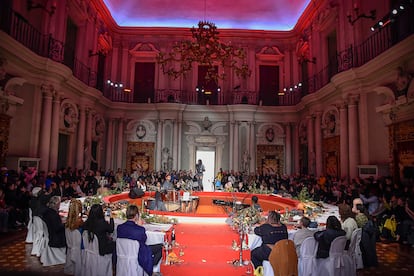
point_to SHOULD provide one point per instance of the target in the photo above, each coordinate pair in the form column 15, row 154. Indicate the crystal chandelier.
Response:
column 206, row 49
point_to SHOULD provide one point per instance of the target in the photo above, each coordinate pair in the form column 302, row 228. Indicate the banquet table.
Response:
column 155, row 231
column 254, row 240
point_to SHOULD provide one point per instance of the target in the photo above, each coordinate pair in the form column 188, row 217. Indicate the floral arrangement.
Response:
column 149, row 218
column 246, row 218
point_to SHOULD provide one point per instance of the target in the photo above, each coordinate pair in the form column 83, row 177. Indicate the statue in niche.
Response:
column 402, row 82
column 330, row 122
column 166, row 160
column 245, row 161
column 207, row 123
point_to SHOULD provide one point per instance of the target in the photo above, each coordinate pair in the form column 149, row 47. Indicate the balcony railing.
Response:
column 382, row 39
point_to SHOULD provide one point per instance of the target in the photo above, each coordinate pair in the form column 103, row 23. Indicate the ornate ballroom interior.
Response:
column 297, row 87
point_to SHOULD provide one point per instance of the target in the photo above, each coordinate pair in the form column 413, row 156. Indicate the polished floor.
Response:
column 15, row 258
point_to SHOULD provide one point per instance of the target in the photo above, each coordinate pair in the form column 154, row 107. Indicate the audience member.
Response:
column 325, row 237
column 74, row 220
column 133, row 229
column 302, row 233
column 97, row 225
column 4, row 213
column 255, row 204
column 157, row 203
column 348, row 222
column 54, row 223
column 271, row 232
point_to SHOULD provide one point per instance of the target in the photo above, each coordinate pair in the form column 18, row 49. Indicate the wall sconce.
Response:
column 372, row 15
column 91, row 53
column 32, row 6
column 313, row 60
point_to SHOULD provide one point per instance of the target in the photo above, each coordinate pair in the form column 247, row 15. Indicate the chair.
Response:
column 338, row 263
column 51, row 255
column 354, row 250
column 283, row 260
column 38, row 236
column 127, row 258
column 29, row 236
column 94, row 264
column 307, row 257
column 73, row 265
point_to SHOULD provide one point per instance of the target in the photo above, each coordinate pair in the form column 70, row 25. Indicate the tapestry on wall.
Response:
column 140, row 156
column 402, row 135
column 331, row 150
column 270, row 159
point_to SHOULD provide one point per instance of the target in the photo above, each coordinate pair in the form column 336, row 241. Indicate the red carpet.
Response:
column 207, row 251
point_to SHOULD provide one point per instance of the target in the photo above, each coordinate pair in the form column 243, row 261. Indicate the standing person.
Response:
column 133, row 229
column 271, row 232
column 200, row 169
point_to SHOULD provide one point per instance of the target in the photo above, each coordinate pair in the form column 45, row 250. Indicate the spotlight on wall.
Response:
column 32, row 6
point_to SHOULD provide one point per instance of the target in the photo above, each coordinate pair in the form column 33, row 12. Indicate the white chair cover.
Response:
column 307, row 257
column 38, row 236
column 94, row 264
column 29, row 236
column 73, row 265
column 267, row 269
column 354, row 250
column 127, row 258
column 51, row 255
column 334, row 265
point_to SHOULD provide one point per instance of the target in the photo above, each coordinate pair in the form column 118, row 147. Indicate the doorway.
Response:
column 208, row 157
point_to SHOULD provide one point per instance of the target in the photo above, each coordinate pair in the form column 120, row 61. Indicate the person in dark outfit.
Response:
column 325, row 237
column 132, row 229
column 271, row 232
column 97, row 225
column 55, row 227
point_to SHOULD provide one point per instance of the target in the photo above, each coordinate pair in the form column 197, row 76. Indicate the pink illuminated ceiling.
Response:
column 233, row 14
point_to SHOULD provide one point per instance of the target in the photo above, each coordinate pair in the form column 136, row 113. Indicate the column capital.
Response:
column 47, row 90
column 353, row 99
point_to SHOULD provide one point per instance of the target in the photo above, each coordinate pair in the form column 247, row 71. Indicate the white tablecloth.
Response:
column 155, row 232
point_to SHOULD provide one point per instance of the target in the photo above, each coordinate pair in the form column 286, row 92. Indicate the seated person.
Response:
column 302, row 233
column 255, row 204
column 271, row 232
column 157, row 203
column 97, row 225
column 54, row 223
column 325, row 237
column 132, row 229
column 349, row 224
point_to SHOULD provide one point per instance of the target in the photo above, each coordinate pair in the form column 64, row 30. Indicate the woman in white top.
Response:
column 348, row 222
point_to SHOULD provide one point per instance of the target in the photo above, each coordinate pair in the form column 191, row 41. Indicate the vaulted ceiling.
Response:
column 280, row 15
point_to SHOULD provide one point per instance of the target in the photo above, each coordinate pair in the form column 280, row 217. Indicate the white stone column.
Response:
column 44, row 145
column 318, row 144
column 175, row 144
column 236, row 147
column 88, row 140
column 180, row 129
column 288, row 147
column 311, row 143
column 120, row 144
column 252, row 149
column 109, row 144
column 353, row 126
column 296, row 149
column 343, row 140
column 159, row 144
column 54, row 137
column 81, row 138
column 231, row 127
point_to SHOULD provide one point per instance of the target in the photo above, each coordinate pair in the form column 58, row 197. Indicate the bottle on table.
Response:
column 173, row 237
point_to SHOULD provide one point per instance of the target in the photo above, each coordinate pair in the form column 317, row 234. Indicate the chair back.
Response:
column 127, row 257
column 284, row 259
column 73, row 265
column 354, row 250
column 29, row 236
column 307, row 257
column 51, row 255
column 94, row 264
column 337, row 264
column 38, row 236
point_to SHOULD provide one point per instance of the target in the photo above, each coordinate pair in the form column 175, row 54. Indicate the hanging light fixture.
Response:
column 205, row 48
